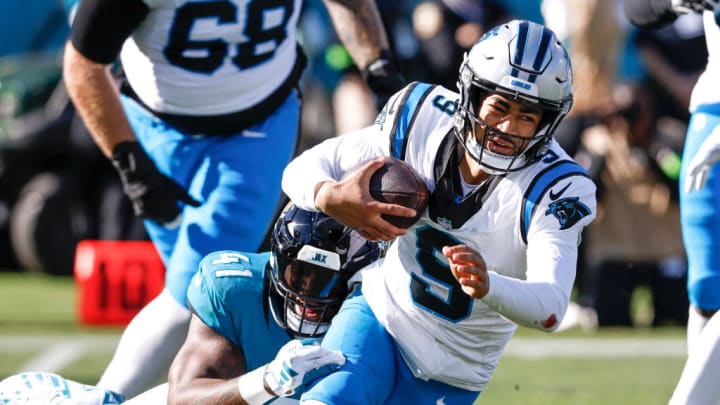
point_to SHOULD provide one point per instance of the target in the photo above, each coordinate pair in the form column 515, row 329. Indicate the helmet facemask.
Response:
column 311, row 292
column 313, row 266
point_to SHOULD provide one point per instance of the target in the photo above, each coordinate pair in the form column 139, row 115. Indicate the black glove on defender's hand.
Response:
column 383, row 78
column 154, row 196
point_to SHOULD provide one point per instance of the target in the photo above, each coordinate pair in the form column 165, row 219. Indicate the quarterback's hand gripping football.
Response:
column 300, row 362
column 693, row 6
column 707, row 155
column 350, row 203
column 154, row 196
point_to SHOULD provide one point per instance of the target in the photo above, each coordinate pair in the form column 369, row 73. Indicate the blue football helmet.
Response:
column 313, row 263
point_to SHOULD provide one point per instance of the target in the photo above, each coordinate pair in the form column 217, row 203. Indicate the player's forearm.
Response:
column 301, row 181
column 329, row 161
column 205, row 391
column 304, row 174
column 95, row 96
column 359, row 27
column 249, row 388
column 539, row 301
column 536, row 305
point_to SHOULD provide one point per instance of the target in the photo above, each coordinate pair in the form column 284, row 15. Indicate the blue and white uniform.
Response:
column 699, row 214
column 525, row 224
column 210, row 92
column 36, row 387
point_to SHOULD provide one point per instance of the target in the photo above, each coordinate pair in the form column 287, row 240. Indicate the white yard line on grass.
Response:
column 55, row 357
column 13, row 343
column 56, row 352
column 596, row 347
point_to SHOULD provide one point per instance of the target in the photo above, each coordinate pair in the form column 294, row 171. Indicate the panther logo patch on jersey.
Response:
column 568, row 211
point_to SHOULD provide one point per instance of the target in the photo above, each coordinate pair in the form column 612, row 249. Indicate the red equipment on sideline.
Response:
column 115, row 279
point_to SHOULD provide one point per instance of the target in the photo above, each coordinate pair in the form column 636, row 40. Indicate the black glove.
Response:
column 154, row 196
column 693, row 6
column 383, row 78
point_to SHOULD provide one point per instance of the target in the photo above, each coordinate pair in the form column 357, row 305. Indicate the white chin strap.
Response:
column 308, row 327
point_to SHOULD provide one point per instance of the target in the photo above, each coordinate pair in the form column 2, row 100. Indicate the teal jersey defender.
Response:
column 227, row 294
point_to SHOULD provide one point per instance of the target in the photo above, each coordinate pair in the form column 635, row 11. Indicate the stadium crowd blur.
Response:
column 626, row 127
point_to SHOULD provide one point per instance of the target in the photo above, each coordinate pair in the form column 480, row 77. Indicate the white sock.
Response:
column 147, row 347
column 695, row 325
column 698, row 384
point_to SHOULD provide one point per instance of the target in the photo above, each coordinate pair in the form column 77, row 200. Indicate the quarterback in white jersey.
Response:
column 511, row 220
column 497, row 245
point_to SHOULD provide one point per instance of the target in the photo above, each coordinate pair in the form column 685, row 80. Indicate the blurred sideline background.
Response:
column 623, row 338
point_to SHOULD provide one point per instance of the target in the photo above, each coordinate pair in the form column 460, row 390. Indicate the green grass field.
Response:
column 37, row 318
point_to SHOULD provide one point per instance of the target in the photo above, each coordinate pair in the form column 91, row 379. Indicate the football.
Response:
column 398, row 183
